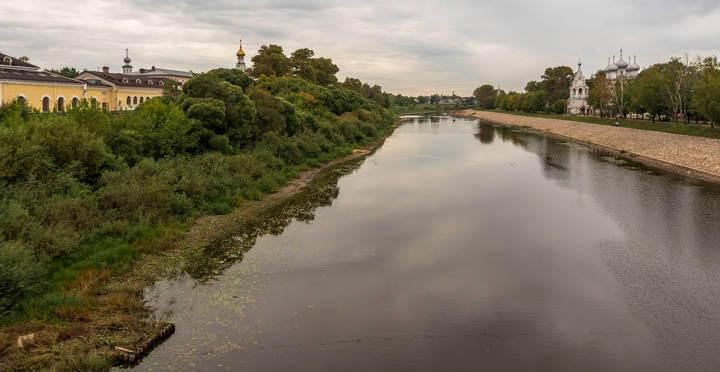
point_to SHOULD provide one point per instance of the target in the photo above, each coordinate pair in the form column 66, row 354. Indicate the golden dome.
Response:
column 240, row 53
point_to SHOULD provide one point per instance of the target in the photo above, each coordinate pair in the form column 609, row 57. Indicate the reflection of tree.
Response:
column 486, row 133
column 512, row 135
column 209, row 260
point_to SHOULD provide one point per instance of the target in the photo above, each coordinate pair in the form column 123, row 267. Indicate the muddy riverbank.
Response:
column 694, row 157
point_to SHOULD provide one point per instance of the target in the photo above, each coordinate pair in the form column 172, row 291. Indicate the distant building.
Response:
column 621, row 69
column 127, row 90
column 579, row 91
column 122, row 91
column 240, row 59
column 164, row 73
column 41, row 90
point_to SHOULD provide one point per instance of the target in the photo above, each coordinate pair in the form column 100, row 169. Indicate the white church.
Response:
column 579, row 90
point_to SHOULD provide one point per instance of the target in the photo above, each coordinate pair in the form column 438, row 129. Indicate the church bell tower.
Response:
column 240, row 58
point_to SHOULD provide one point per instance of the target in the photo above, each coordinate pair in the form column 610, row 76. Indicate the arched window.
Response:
column 150, row 82
column 7, row 60
column 146, row 99
column 138, row 81
column 141, row 99
column 124, row 80
column 61, row 104
column 75, row 102
column 21, row 99
column 129, row 100
column 580, row 91
column 161, row 83
column 93, row 102
column 574, row 91
column 46, row 104
column 135, row 100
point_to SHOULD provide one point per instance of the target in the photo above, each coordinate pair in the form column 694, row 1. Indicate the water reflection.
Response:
column 464, row 246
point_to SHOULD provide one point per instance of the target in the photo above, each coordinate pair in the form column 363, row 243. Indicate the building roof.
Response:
column 25, row 75
column 125, row 80
column 154, row 71
column 9, row 61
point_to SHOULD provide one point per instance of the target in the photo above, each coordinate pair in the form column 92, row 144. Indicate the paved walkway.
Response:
column 697, row 153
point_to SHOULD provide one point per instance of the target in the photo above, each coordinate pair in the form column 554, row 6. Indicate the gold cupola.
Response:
column 240, row 58
column 240, row 52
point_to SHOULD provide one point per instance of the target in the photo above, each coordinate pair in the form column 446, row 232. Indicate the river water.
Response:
column 463, row 246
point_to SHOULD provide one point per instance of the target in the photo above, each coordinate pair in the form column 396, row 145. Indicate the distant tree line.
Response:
column 680, row 90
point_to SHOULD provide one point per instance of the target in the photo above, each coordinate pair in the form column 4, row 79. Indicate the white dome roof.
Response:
column 621, row 64
column 634, row 67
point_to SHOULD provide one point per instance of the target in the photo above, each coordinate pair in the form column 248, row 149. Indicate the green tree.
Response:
column 317, row 70
column 679, row 76
column 651, row 91
column 533, row 86
column 706, row 97
column 600, row 96
column 21, row 275
column 352, row 84
column 171, row 88
column 239, row 110
column 70, row 72
column 273, row 113
column 560, row 106
column 556, row 82
column 482, row 94
column 271, row 61
column 233, row 76
column 534, row 101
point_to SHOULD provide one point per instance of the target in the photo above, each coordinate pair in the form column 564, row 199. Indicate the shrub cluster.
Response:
column 82, row 191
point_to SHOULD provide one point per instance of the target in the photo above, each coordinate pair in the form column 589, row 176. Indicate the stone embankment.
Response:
column 697, row 157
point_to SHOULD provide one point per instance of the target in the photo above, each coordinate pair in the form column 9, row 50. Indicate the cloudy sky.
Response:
column 409, row 47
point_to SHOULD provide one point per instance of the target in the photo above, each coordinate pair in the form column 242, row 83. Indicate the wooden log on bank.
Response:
column 126, row 356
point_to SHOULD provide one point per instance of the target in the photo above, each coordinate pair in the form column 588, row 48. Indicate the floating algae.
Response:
column 614, row 160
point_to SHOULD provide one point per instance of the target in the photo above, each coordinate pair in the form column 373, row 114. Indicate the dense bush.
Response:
column 20, row 275
column 78, row 191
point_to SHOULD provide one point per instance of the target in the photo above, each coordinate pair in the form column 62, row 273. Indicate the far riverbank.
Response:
column 691, row 156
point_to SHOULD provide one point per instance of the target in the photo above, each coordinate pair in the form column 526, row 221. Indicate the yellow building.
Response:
column 49, row 92
column 120, row 91
column 40, row 89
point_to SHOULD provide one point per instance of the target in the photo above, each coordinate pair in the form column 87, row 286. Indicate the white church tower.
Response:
column 579, row 91
column 240, row 59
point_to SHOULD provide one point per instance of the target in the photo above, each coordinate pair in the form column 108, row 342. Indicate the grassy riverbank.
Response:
column 691, row 129
column 96, row 206
column 427, row 109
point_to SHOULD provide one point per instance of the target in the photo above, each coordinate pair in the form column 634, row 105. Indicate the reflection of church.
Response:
column 579, row 90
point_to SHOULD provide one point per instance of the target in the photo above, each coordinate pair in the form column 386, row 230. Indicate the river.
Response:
column 463, row 246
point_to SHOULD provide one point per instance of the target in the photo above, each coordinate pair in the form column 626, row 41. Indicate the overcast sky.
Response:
column 409, row 47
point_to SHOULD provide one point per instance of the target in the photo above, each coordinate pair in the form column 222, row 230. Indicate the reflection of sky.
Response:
column 446, row 250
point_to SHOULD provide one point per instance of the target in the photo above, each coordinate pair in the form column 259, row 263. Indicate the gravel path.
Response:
column 677, row 151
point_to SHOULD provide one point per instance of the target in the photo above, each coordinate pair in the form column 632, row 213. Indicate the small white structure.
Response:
column 577, row 103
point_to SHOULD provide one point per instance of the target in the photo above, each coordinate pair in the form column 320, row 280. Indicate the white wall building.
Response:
column 577, row 103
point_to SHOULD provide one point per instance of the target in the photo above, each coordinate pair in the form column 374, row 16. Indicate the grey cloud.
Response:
column 415, row 47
